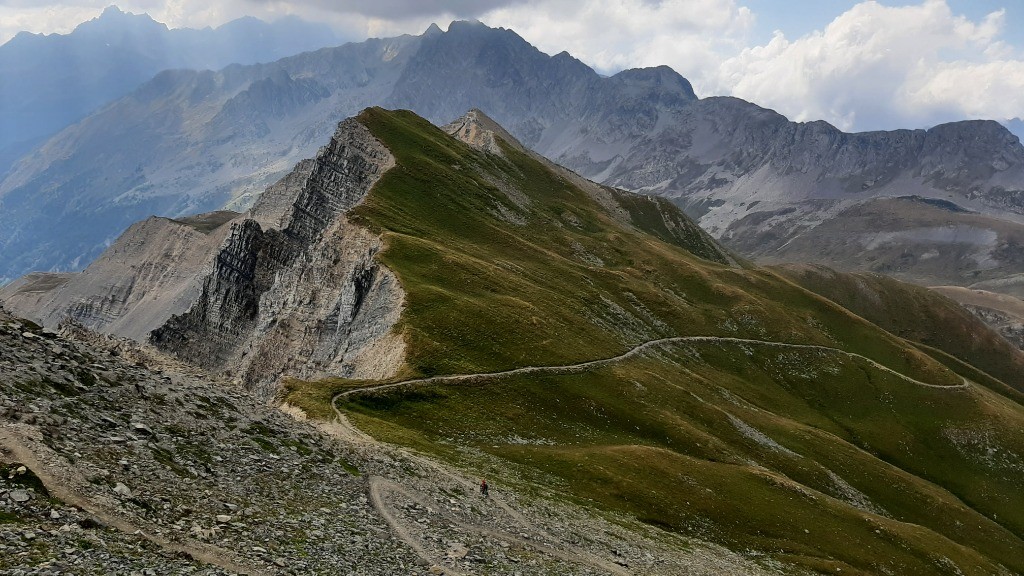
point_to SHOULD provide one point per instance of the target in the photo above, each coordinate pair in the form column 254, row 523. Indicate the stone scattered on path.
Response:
column 20, row 495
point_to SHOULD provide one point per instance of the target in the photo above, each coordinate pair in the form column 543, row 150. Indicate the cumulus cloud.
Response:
column 26, row 16
column 879, row 67
column 353, row 18
column 611, row 35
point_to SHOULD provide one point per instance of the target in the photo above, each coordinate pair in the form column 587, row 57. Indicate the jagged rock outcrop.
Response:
column 307, row 299
column 478, row 130
column 289, row 288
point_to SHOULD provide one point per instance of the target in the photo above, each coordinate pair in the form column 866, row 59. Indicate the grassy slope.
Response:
column 917, row 314
column 670, row 437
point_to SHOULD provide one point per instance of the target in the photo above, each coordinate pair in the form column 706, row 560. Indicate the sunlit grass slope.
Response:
column 486, row 293
column 918, row 314
column 810, row 456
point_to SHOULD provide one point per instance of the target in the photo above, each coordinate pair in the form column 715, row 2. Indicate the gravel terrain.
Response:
column 115, row 459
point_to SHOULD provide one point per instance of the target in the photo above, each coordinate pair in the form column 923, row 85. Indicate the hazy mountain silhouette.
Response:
column 53, row 80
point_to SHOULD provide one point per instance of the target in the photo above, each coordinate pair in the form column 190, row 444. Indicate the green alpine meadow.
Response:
column 579, row 343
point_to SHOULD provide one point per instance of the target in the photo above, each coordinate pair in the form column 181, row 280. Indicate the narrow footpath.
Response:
column 636, row 350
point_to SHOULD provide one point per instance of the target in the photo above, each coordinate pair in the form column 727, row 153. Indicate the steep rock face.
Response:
column 307, row 299
column 276, row 204
column 152, row 271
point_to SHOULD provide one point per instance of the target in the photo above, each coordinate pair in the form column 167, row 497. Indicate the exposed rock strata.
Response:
column 308, row 299
column 291, row 288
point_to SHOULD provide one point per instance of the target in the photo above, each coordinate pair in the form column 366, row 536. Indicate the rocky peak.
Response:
column 115, row 21
column 659, row 80
column 306, row 299
column 570, row 65
column 480, row 131
column 970, row 142
column 111, row 12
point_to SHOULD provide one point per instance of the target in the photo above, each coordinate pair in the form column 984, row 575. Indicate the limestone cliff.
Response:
column 289, row 288
column 307, row 299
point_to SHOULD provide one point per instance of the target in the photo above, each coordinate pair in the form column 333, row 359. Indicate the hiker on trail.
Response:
column 483, row 487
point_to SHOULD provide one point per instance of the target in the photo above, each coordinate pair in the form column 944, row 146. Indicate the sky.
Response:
column 859, row 65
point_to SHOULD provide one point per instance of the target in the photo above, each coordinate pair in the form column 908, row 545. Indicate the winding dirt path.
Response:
column 591, row 364
column 68, row 487
column 379, row 486
column 377, row 499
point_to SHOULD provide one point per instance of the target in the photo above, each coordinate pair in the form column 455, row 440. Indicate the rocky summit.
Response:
column 330, row 375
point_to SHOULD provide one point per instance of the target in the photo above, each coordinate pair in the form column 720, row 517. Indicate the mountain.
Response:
column 180, row 278
column 188, row 142
column 1015, row 125
column 794, row 450
column 56, row 80
column 599, row 350
column 938, row 206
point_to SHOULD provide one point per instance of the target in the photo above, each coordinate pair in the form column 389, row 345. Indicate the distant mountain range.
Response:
column 54, row 80
column 941, row 206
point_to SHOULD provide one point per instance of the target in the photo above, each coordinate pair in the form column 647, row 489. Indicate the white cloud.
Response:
column 883, row 67
column 56, row 18
column 398, row 9
column 872, row 67
column 611, row 35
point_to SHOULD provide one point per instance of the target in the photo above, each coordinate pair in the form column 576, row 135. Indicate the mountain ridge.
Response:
column 767, row 187
column 64, row 77
column 628, row 396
